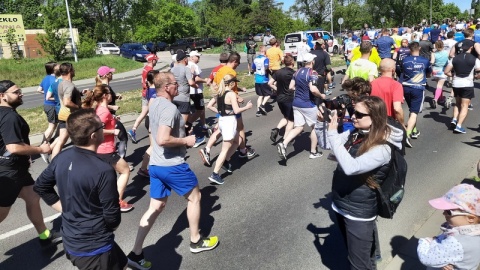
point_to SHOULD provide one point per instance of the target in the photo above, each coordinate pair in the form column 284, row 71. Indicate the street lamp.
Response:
column 430, row 12
column 71, row 33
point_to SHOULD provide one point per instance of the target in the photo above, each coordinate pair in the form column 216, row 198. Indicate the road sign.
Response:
column 14, row 21
column 340, row 21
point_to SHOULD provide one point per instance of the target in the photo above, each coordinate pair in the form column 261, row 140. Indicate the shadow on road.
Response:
column 329, row 241
column 163, row 254
column 406, row 249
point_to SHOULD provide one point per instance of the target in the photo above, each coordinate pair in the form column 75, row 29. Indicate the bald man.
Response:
column 391, row 91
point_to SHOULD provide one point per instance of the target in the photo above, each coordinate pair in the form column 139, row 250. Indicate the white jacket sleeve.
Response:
column 439, row 252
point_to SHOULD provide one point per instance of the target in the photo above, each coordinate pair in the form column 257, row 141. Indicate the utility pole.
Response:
column 71, row 33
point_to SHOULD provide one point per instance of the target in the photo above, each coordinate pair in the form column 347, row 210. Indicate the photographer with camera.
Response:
column 305, row 111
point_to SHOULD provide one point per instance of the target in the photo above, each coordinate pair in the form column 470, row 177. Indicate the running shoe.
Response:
column 315, row 155
column 250, row 152
column 282, row 152
column 470, row 107
column 205, row 156
column 215, row 178
column 274, row 134
column 227, row 166
column 449, row 102
column 143, row 172
column 415, row 134
column 204, row 244
column 459, row 130
column 199, row 141
column 210, row 132
column 125, row 207
column 258, row 113
column 328, row 92
column 434, row 104
column 331, row 86
column 46, row 158
column 262, row 110
column 408, row 143
column 54, row 238
column 130, row 167
column 138, row 261
column 132, row 135
column 453, row 124
column 441, row 100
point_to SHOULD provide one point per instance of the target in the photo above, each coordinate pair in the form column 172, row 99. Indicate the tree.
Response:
column 315, row 11
column 12, row 42
column 54, row 41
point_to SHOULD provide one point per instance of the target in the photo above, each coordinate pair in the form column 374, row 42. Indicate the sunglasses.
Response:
column 100, row 127
column 453, row 213
column 360, row 115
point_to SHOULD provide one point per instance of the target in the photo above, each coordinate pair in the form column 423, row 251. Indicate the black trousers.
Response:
column 361, row 239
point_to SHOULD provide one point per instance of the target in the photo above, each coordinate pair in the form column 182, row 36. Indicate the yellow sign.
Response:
column 14, row 21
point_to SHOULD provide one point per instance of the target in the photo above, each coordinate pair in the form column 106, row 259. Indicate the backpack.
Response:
column 392, row 189
column 476, row 36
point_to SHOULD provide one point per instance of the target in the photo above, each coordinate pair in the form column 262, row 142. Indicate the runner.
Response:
column 263, row 90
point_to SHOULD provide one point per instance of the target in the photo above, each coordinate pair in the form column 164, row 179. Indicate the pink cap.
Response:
column 151, row 57
column 104, row 70
column 464, row 196
column 365, row 38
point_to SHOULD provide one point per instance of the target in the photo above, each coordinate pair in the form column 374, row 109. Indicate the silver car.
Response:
column 258, row 37
column 107, row 48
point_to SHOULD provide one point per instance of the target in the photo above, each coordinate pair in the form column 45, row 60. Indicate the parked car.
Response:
column 156, row 46
column 259, row 37
column 107, row 48
column 188, row 44
column 214, row 42
column 293, row 40
column 134, row 51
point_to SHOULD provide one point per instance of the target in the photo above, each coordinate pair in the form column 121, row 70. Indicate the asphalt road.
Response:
column 268, row 214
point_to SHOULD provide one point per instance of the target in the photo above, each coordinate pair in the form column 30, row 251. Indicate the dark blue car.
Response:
column 134, row 51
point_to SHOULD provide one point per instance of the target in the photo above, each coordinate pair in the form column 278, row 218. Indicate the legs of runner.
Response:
column 59, row 142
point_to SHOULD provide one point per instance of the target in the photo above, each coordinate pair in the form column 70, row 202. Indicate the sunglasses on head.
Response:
column 360, row 115
column 453, row 213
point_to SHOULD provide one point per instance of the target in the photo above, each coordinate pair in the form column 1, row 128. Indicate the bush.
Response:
column 86, row 48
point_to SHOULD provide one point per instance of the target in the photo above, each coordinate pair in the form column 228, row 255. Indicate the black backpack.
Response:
column 392, row 189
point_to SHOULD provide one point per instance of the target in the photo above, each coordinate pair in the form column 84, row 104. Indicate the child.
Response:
column 458, row 245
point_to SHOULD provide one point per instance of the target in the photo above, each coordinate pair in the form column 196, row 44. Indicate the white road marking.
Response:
column 26, row 227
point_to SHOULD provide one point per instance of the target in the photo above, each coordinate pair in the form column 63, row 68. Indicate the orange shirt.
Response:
column 275, row 56
column 224, row 71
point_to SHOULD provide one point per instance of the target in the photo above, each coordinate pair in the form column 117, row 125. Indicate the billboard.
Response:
column 14, row 21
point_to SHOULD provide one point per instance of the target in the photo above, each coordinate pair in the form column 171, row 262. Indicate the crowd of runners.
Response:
column 383, row 70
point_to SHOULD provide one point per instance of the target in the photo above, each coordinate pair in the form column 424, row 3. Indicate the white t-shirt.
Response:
column 196, row 71
column 302, row 49
column 448, row 44
column 407, row 36
column 460, row 26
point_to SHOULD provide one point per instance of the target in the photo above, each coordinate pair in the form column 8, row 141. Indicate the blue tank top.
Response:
column 441, row 59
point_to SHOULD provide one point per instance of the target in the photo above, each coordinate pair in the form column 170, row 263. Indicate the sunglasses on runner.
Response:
column 360, row 115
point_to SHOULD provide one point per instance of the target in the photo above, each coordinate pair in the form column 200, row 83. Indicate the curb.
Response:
column 407, row 258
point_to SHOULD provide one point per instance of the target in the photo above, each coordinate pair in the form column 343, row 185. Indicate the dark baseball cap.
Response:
column 181, row 54
column 5, row 85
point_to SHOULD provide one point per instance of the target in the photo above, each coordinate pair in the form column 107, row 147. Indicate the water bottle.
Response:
column 397, row 197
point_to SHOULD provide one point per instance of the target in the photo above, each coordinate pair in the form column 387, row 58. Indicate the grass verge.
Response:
column 30, row 72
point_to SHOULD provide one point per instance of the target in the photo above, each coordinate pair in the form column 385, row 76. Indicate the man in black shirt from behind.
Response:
column 280, row 82
column 87, row 196
column 322, row 65
column 15, row 150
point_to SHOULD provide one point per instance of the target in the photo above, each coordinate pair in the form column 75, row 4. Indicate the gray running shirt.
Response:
column 165, row 113
column 182, row 75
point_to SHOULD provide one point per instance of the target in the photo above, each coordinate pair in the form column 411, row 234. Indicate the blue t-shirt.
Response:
column 458, row 37
column 45, row 84
column 384, row 46
column 303, row 97
column 427, row 30
column 434, row 34
column 151, row 93
column 415, row 70
column 54, row 90
column 260, row 65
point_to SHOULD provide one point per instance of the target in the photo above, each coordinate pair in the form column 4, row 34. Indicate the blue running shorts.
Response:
column 163, row 179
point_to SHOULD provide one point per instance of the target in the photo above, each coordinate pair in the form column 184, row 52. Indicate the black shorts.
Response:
column 52, row 117
column 114, row 259
column 111, row 159
column 12, row 181
column 286, row 109
column 262, row 89
column 464, row 92
column 62, row 124
column 198, row 102
column 183, row 107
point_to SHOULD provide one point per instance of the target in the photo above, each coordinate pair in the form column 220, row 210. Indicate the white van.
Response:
column 293, row 40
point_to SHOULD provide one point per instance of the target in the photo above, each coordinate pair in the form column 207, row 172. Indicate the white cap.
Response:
column 174, row 58
column 195, row 53
column 308, row 57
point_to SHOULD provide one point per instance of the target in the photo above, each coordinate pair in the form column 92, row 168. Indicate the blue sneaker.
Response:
column 453, row 124
column 227, row 166
column 199, row 141
column 459, row 130
column 132, row 135
column 215, row 178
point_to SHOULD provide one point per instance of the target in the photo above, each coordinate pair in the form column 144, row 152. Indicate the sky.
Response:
column 462, row 4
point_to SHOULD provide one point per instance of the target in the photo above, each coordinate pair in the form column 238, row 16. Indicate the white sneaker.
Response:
column 315, row 155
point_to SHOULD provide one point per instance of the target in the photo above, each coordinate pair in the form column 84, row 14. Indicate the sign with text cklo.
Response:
column 14, row 21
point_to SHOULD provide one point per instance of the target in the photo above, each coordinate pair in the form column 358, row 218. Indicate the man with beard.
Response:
column 15, row 151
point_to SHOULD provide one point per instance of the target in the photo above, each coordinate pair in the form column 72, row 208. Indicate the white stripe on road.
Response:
column 26, row 227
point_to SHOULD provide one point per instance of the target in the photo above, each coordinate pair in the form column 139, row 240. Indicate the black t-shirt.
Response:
column 461, row 44
column 283, row 77
column 321, row 61
column 426, row 48
column 13, row 130
column 463, row 64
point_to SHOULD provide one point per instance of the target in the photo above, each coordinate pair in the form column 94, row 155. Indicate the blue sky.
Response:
column 462, row 4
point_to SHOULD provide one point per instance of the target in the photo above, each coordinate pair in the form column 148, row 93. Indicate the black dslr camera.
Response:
column 339, row 103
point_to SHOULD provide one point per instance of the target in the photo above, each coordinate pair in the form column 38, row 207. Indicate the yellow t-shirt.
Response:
column 222, row 72
column 374, row 57
column 398, row 40
column 275, row 56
